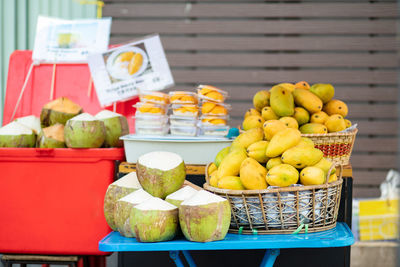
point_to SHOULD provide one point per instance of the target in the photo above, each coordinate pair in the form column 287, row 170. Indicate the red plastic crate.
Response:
column 51, row 200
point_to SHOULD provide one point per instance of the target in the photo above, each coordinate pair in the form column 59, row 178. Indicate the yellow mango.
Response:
column 211, row 168
column 230, row 182
column 335, row 123
column 257, row 151
column 268, row 114
column 252, row 174
column 273, row 162
column 261, row 99
column 332, row 178
column 313, row 128
column 290, row 122
column 247, row 138
column 302, row 85
column 312, row 176
column 281, row 101
column 288, row 86
column 221, row 155
column 215, row 95
column 282, row 141
column 213, row 179
column 230, row 164
column 336, row 107
column 301, row 115
column 251, row 112
column 324, row 164
column 307, row 100
column 319, row 117
column 324, row 91
column 302, row 156
column 271, row 127
column 252, row 122
column 282, row 175
column 348, row 123
column 306, row 142
column 207, row 107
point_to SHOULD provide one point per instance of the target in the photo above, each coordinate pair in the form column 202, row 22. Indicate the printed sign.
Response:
column 119, row 73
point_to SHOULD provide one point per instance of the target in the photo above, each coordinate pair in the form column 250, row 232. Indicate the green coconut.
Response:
column 179, row 196
column 161, row 173
column 59, row 111
column 15, row 134
column 51, row 137
column 204, row 217
column 84, row 131
column 154, row 220
column 116, row 126
column 32, row 122
column 118, row 189
column 122, row 211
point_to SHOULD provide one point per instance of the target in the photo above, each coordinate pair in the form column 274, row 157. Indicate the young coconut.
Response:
column 154, row 220
column 116, row 126
column 179, row 196
column 59, row 111
column 118, row 189
column 32, row 122
column 161, row 173
column 204, row 217
column 15, row 134
column 122, row 211
column 84, row 131
column 51, row 137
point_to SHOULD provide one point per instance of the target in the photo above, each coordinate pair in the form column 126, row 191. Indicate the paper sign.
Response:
column 119, row 73
column 63, row 41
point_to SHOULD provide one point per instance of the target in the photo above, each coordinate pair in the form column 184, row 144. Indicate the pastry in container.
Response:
column 208, row 120
column 151, row 129
column 215, row 130
column 150, row 119
column 150, row 108
column 184, row 130
column 177, row 120
column 183, row 97
column 211, row 93
column 185, row 110
column 214, row 109
column 154, row 97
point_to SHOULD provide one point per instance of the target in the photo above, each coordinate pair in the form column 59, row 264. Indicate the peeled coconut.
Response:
column 59, row 111
column 116, row 126
column 204, row 217
column 15, row 134
column 118, row 189
column 161, row 173
column 32, row 122
column 51, row 137
column 84, row 131
column 154, row 220
column 179, row 196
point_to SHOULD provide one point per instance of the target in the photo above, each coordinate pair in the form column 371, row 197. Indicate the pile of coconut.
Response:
column 62, row 124
column 153, row 204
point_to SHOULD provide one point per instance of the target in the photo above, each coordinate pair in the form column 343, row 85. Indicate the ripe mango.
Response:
column 282, row 141
column 221, row 155
column 332, row 178
column 252, row 174
column 307, row 100
column 252, row 122
column 207, row 107
column 301, row 115
column 257, row 151
column 271, row 127
column 335, row 123
column 348, row 123
column 247, row 138
column 336, row 107
column 302, row 156
column 302, row 85
column 268, row 114
column 215, row 95
column 319, row 117
column 325, row 165
column 306, row 142
column 211, row 168
column 312, row 176
column 324, row 91
column 313, row 128
column 290, row 122
column 230, row 165
column 281, row 101
column 273, row 162
column 289, row 86
column 214, row 179
column 230, row 182
column 251, row 112
column 282, row 175
column 261, row 99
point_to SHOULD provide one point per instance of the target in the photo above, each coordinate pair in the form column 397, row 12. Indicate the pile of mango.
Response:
column 253, row 162
column 311, row 109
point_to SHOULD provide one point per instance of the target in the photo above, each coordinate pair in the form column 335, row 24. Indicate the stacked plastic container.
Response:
column 185, row 113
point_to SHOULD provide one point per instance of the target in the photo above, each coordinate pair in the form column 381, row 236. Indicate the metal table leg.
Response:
column 189, row 258
column 269, row 257
column 174, row 255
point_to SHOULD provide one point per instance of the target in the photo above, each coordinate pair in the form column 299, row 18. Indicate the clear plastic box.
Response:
column 185, row 110
column 183, row 97
column 207, row 120
column 184, row 130
column 153, row 97
column 214, row 109
column 211, row 93
column 214, row 130
column 150, row 108
column 151, row 120
column 151, row 130
column 177, row 120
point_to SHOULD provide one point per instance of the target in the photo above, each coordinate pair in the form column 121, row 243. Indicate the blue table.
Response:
column 340, row 236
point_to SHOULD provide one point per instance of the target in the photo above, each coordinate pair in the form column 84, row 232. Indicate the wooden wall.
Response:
column 245, row 46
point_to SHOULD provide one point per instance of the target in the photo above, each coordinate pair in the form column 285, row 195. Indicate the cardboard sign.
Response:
column 119, row 73
column 63, row 41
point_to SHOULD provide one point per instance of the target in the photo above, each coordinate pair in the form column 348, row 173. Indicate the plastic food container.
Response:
column 150, row 108
column 151, row 130
column 153, row 97
column 183, row 97
column 184, row 130
column 185, row 110
column 208, row 120
column 177, row 120
column 214, row 130
column 211, row 93
column 151, row 120
column 214, row 109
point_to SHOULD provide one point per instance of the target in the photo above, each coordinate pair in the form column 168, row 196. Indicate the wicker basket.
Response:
column 337, row 147
column 282, row 210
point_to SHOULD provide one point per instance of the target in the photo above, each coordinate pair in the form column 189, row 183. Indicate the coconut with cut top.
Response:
column 51, row 137
column 118, row 189
column 84, row 131
column 15, row 134
column 179, row 196
column 59, row 111
column 161, row 173
column 204, row 217
column 123, row 209
column 116, row 126
column 154, row 220
column 32, row 122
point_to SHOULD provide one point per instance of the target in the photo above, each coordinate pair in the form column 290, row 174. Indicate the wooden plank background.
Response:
column 245, row 46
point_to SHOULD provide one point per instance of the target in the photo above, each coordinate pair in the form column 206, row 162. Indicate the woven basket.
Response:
column 282, row 210
column 337, row 147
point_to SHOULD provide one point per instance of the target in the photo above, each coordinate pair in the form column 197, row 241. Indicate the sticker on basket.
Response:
column 121, row 72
